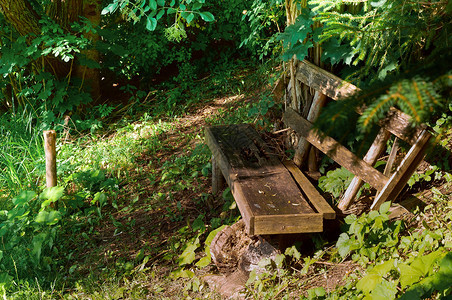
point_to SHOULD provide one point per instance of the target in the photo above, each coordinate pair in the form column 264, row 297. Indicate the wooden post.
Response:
column 50, row 152
column 303, row 145
column 371, row 157
column 218, row 181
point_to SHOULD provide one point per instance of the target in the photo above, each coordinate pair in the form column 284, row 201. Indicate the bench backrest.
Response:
column 397, row 123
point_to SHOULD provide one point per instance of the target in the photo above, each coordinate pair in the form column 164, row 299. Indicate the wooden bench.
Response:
column 273, row 197
column 277, row 198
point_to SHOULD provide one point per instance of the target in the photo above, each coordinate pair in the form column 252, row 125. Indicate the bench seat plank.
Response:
column 268, row 198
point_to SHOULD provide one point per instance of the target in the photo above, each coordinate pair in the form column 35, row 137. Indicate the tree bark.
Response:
column 21, row 15
column 91, row 10
column 25, row 19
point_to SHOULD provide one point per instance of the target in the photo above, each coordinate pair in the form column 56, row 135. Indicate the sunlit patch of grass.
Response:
column 115, row 153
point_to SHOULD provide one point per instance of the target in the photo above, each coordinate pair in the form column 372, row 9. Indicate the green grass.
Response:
column 22, row 161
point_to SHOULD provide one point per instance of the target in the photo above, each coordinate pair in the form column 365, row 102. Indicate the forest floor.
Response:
column 150, row 244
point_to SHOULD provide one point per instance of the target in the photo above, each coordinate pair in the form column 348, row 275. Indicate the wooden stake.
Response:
column 371, row 157
column 50, row 152
column 303, row 145
column 218, row 181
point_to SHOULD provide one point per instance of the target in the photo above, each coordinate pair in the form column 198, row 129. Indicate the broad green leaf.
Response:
column 408, row 275
column 111, row 8
column 160, row 14
column 196, row 6
column 343, row 245
column 23, row 197
column 182, row 273
column 100, row 198
column 424, row 263
column 384, row 208
column 37, row 242
column 384, row 290
column 188, row 256
column 161, row 2
column 384, row 268
column 52, row 193
column 368, row 283
column 207, row 16
column 151, row 24
column 443, row 278
column 48, row 218
column 153, row 4
column 190, row 18
column 204, row 262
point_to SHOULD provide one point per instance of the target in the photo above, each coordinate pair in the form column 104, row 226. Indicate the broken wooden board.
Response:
column 268, row 198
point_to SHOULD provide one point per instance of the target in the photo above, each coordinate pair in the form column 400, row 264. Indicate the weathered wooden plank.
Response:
column 254, row 175
column 375, row 150
column 404, row 171
column 397, row 122
column 323, row 81
column 311, row 192
column 294, row 223
column 335, row 150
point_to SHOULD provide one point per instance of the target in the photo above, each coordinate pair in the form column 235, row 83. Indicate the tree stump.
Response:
column 236, row 254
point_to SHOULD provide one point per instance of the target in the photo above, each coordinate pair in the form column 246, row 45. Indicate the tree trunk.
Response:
column 91, row 10
column 21, row 15
column 25, row 19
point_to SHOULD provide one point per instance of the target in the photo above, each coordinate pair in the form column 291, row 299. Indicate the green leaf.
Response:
column 204, row 262
column 37, row 242
column 153, row 4
column 188, row 256
column 151, row 24
column 207, row 16
column 51, row 194
column 111, row 8
column 293, row 252
column 425, row 263
column 384, row 268
column 100, row 198
column 408, row 275
column 368, row 283
column 161, row 2
column 384, row 290
column 160, row 14
column 196, row 6
column 343, row 245
column 190, row 18
column 23, row 197
column 384, row 208
column 48, row 218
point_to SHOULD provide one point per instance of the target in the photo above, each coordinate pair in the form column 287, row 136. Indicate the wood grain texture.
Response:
column 50, row 153
column 293, row 223
column 311, row 192
column 302, row 150
column 404, row 171
column 323, row 81
column 218, row 180
column 396, row 122
column 335, row 150
column 371, row 157
column 262, row 187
